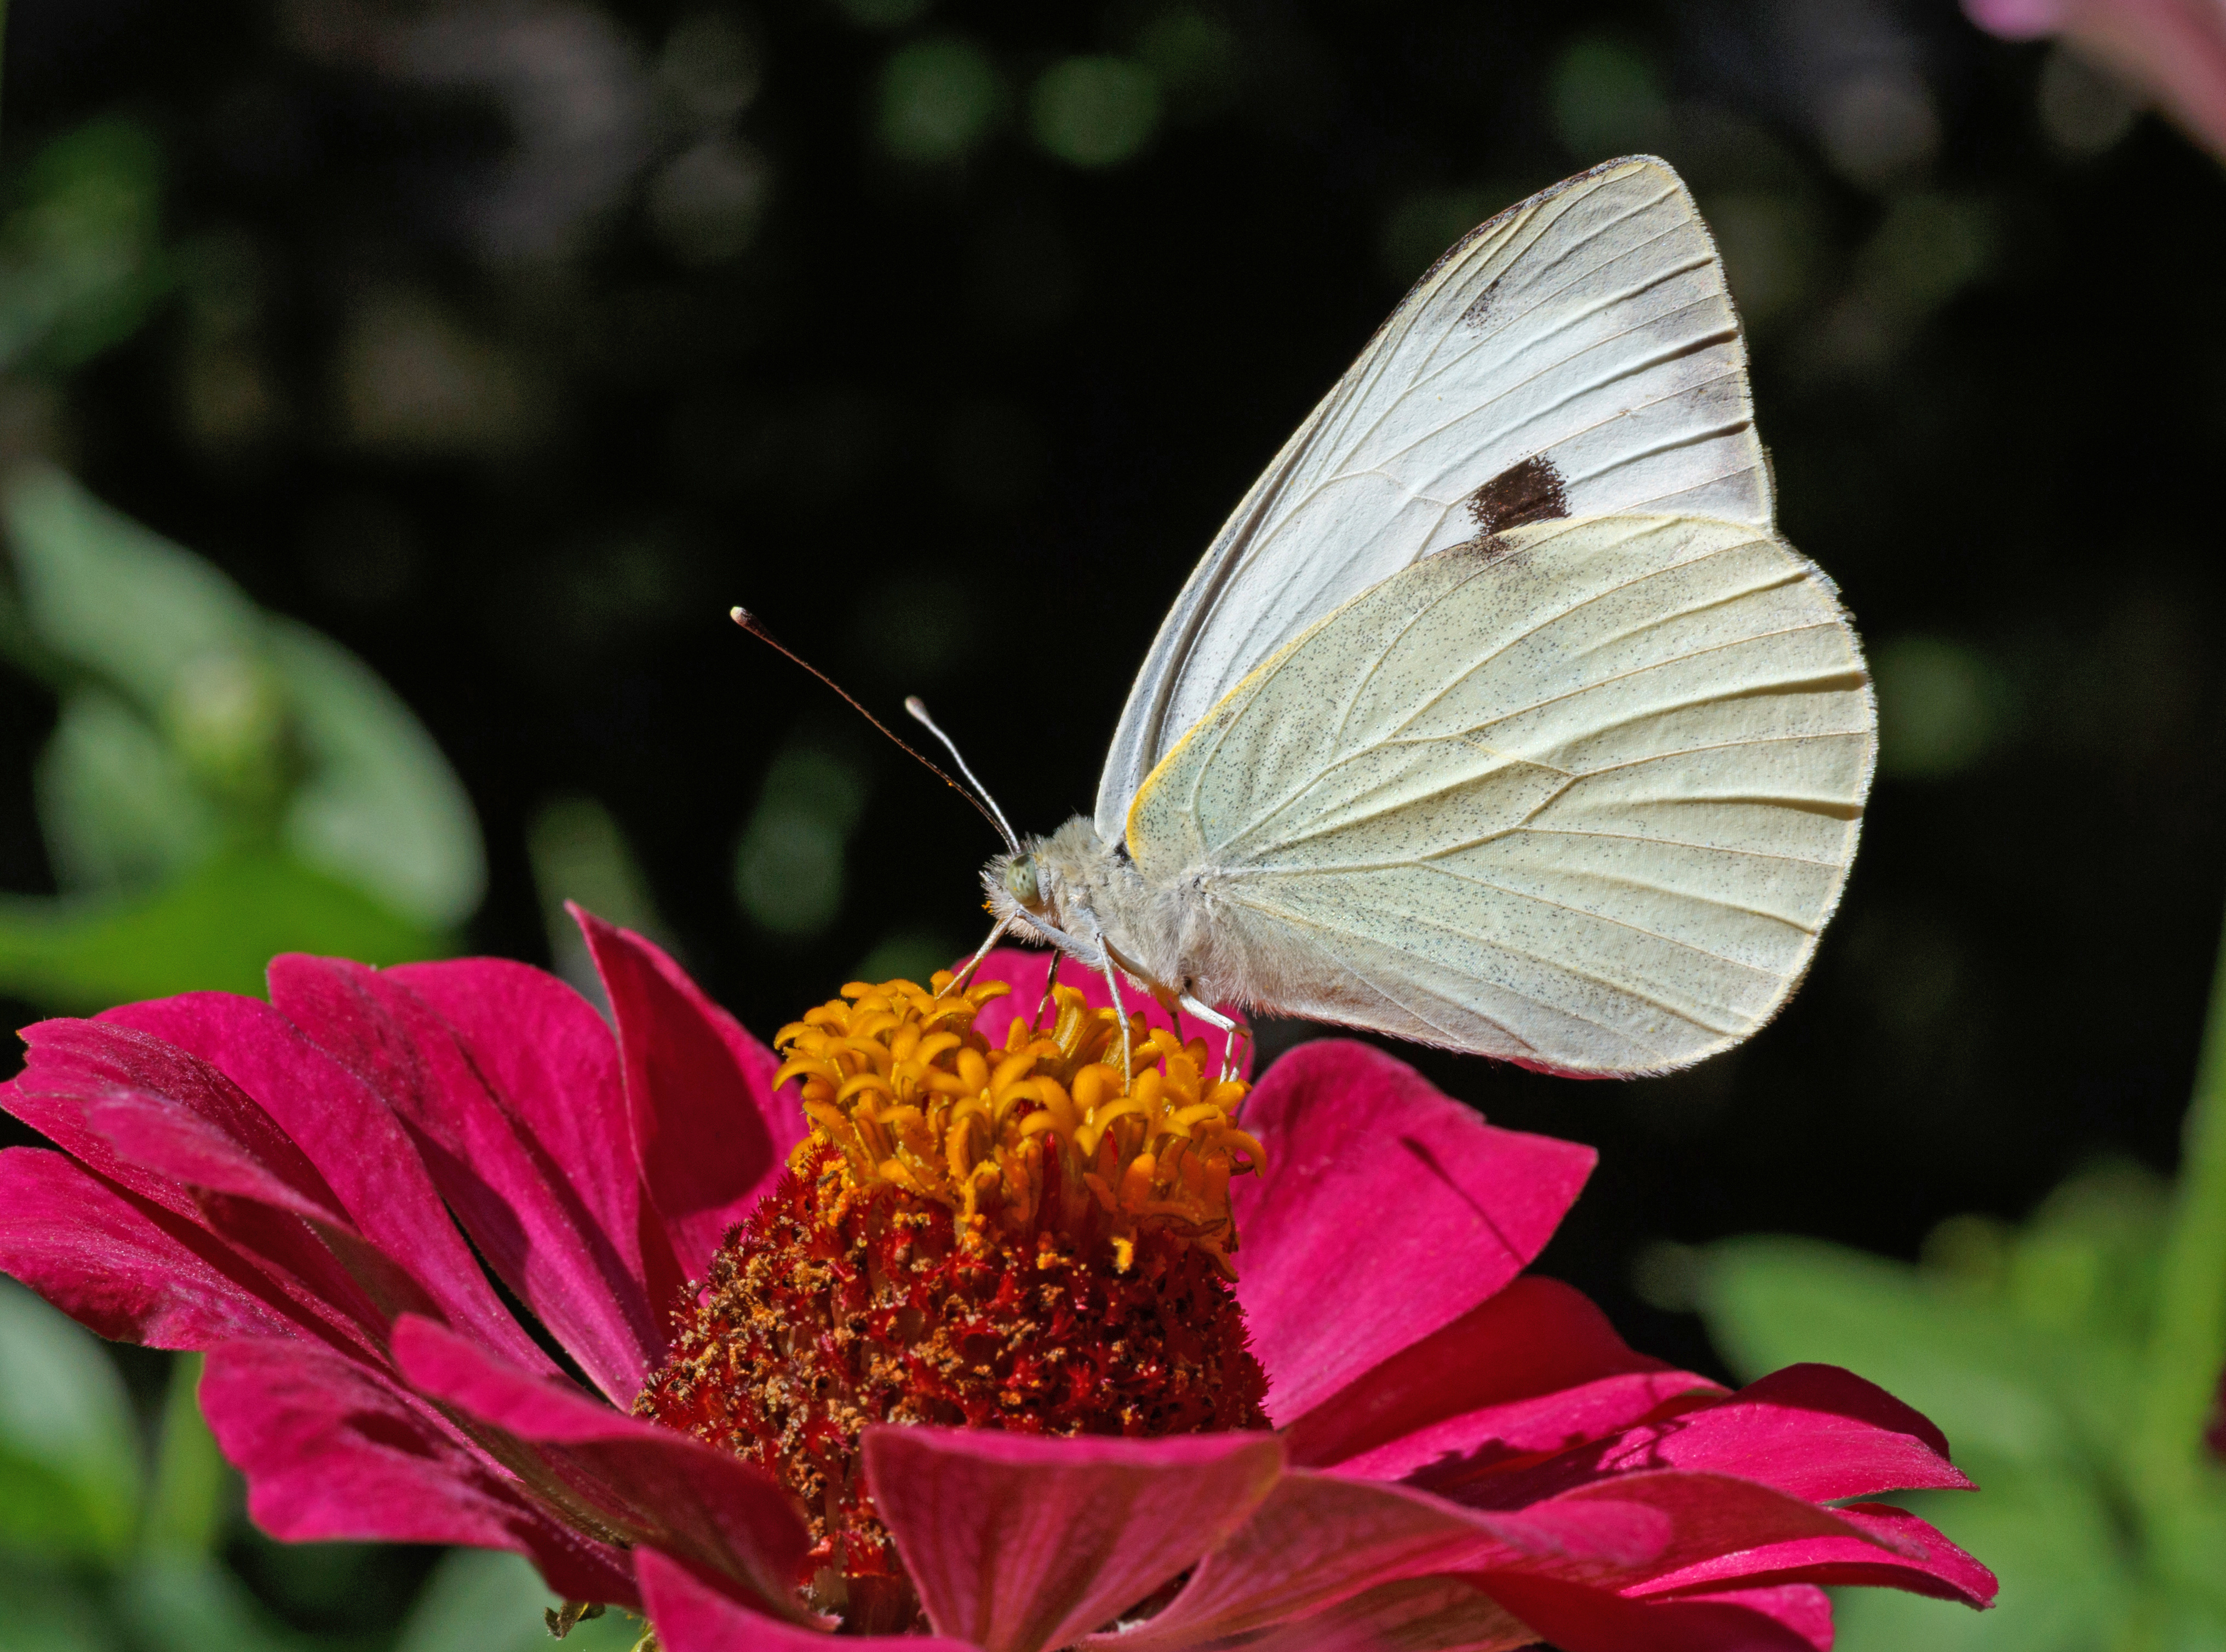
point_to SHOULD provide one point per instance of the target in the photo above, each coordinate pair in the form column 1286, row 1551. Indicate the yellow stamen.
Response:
column 1038, row 1137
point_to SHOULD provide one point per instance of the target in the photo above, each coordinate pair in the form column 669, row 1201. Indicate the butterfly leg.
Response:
column 958, row 982
column 1231, row 1031
column 1051, row 980
column 1120, row 1007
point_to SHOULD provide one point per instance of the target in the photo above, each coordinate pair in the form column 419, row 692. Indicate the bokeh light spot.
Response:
column 788, row 865
column 939, row 100
column 1940, row 706
column 1769, row 241
column 706, row 202
column 907, row 955
column 711, row 65
column 1879, row 125
column 1606, row 100
column 2083, row 110
column 1095, row 112
column 1197, row 59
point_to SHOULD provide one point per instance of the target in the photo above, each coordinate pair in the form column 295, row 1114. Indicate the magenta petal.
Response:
column 357, row 1146
column 1708, row 1516
column 1536, row 1338
column 537, row 1230
column 129, row 1270
column 1579, row 1619
column 1916, row 1557
column 1450, row 1455
column 1026, row 970
column 692, row 1613
column 332, row 1450
column 1017, row 1543
column 158, row 1135
column 709, row 1134
column 74, row 1065
column 1320, row 1539
column 1387, row 1211
column 1413, row 1615
column 82, row 1071
column 1813, row 1432
column 655, row 1486
column 553, row 1060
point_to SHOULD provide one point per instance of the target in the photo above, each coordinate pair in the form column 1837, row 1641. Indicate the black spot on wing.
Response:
column 1529, row 492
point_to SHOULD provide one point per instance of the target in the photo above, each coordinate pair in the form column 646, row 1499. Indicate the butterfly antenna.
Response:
column 918, row 709
column 748, row 622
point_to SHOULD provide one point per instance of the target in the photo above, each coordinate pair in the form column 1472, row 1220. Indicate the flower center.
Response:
column 1016, row 1236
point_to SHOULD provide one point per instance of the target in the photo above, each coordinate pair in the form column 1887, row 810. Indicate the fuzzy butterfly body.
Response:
column 1496, row 716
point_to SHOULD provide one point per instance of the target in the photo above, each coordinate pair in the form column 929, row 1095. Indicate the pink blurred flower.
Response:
column 1464, row 1457
column 2175, row 50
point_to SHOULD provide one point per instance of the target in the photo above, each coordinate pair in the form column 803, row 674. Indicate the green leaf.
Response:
column 194, row 1606
column 80, row 253
column 381, row 806
column 116, row 805
column 485, row 1600
column 216, row 928
column 43, row 1610
column 69, row 1456
column 2186, row 1550
column 117, row 598
column 1990, row 1384
column 2066, row 1586
column 193, row 1489
column 244, row 719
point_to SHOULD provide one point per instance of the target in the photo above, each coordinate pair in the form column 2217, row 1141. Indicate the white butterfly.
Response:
column 1497, row 716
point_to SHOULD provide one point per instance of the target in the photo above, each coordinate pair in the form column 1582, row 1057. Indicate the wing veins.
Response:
column 1421, row 381
column 1615, row 923
column 1600, row 595
column 1560, row 964
column 1778, row 685
column 1676, row 353
column 1671, row 843
column 1261, row 816
column 1286, row 916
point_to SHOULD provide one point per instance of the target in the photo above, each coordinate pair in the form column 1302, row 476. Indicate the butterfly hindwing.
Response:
column 1582, row 795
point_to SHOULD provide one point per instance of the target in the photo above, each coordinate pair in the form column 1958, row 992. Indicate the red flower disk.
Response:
column 1463, row 1456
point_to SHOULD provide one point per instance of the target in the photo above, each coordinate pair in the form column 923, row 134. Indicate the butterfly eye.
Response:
column 1022, row 881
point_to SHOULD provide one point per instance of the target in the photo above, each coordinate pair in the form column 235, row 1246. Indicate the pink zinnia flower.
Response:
column 317, row 1190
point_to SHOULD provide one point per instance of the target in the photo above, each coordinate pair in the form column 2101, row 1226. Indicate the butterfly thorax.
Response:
column 1074, row 891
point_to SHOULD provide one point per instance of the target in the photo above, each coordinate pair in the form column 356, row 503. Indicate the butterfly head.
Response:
column 1023, row 881
column 1025, row 889
column 1056, row 888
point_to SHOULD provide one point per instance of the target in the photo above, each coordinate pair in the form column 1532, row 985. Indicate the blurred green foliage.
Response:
column 1942, row 706
column 2074, row 1361
column 221, row 783
column 789, row 861
column 81, row 259
column 1095, row 112
column 940, row 99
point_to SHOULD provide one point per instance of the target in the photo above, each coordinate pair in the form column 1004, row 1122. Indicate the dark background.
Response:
column 475, row 362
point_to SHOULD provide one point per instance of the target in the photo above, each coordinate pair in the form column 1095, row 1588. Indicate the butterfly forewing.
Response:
column 1578, row 354
column 1582, row 795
